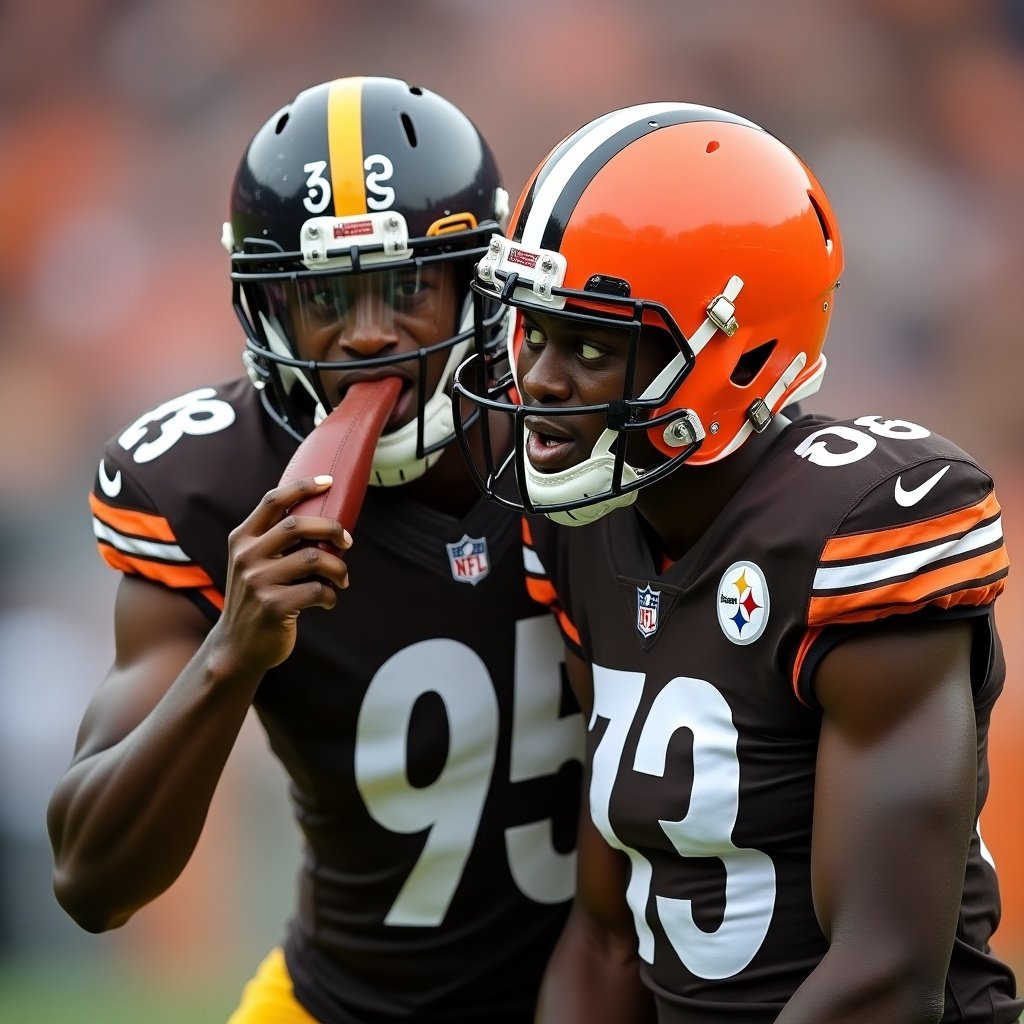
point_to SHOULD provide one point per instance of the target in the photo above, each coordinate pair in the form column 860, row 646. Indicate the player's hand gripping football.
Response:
column 280, row 564
column 288, row 555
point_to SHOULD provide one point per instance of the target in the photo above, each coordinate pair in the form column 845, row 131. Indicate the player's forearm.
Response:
column 591, row 976
column 125, row 820
column 878, row 985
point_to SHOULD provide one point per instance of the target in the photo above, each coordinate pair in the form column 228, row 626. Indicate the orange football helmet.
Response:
column 686, row 218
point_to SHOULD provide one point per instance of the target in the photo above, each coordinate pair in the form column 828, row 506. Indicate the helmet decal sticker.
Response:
column 379, row 169
column 318, row 194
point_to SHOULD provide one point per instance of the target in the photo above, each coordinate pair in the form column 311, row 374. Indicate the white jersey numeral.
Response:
column 198, row 412
column 705, row 830
column 852, row 445
column 450, row 808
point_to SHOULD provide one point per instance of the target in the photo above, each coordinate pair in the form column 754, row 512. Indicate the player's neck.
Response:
column 678, row 510
column 447, row 486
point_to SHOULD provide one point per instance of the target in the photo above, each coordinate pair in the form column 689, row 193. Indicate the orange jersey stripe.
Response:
column 977, row 597
column 543, row 592
column 810, row 637
column 527, row 534
column 214, row 596
column 345, row 146
column 180, row 577
column 883, row 542
column 567, row 627
column 943, row 586
column 135, row 524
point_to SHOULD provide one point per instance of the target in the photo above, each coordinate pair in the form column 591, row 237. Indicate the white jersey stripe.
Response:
column 897, row 566
column 532, row 563
column 135, row 546
column 558, row 175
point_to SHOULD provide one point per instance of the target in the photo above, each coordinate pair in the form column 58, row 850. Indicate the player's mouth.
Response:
column 549, row 445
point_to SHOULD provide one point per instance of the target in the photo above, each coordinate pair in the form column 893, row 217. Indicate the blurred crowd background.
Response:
column 121, row 125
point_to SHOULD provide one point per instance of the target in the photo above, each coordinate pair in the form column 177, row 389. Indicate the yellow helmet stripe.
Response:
column 345, row 146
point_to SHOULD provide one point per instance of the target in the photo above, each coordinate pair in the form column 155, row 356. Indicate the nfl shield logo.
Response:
column 468, row 559
column 647, row 602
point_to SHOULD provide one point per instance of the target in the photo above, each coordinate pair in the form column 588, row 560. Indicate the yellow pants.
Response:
column 268, row 997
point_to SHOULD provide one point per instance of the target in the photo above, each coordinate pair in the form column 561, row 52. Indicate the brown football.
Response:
column 342, row 446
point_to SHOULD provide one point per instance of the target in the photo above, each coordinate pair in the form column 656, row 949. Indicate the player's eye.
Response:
column 588, row 350
column 408, row 285
column 533, row 336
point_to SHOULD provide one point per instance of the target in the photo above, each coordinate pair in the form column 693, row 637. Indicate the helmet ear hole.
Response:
column 410, row 130
column 825, row 229
column 750, row 364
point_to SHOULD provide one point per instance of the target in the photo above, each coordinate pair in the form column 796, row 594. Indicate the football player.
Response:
column 433, row 758
column 781, row 629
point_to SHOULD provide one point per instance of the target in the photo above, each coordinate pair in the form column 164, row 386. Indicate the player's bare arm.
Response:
column 894, row 809
column 127, row 815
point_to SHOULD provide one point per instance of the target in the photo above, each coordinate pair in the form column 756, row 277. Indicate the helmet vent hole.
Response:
column 281, row 122
column 416, row 90
column 824, row 223
column 712, row 146
column 751, row 363
column 410, row 130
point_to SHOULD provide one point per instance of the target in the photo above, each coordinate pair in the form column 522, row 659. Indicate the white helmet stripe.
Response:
column 582, row 155
column 587, row 140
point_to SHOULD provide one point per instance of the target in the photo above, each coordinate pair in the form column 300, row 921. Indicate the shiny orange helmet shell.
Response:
column 670, row 202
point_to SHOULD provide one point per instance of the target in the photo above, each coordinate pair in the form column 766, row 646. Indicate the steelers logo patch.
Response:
column 743, row 602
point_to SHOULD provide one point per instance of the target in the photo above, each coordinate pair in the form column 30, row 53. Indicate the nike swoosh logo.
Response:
column 912, row 497
column 109, row 485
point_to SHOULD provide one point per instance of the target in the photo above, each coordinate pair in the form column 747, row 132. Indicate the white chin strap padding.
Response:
column 592, row 476
column 394, row 460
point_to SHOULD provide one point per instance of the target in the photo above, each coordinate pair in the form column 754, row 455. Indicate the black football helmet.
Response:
column 359, row 176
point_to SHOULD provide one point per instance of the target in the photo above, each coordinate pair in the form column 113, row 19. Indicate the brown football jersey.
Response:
column 704, row 732
column 432, row 747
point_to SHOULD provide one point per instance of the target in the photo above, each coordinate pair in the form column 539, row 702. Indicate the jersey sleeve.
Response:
column 540, row 584
column 136, row 538
column 925, row 542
